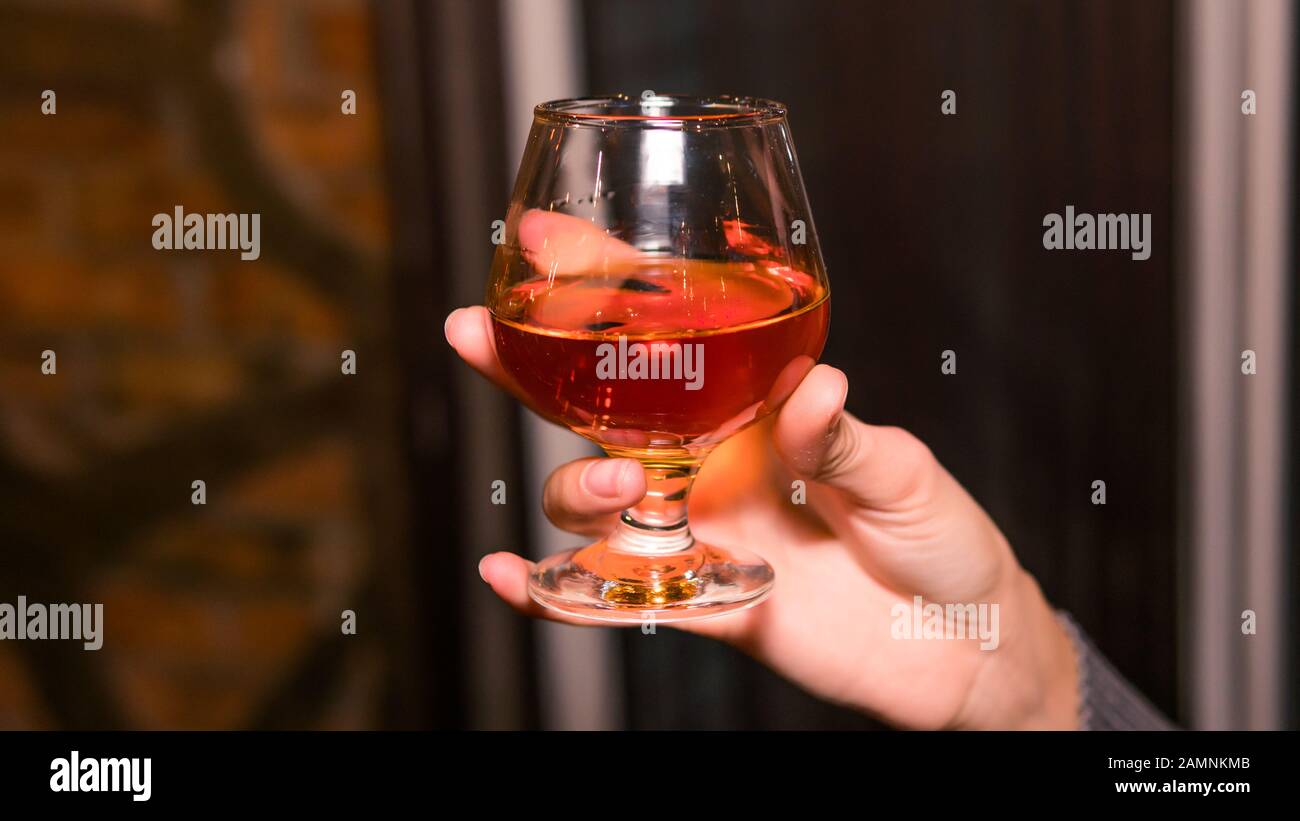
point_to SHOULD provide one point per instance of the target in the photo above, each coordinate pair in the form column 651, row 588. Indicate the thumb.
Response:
column 878, row 467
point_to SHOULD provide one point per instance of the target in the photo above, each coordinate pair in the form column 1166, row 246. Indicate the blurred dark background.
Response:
column 371, row 491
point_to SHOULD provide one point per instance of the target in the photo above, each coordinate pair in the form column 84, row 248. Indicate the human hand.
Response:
column 884, row 523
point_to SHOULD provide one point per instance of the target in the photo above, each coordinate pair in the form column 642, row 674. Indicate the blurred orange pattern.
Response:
column 176, row 366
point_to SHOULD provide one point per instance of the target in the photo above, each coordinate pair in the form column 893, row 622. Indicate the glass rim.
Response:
column 711, row 111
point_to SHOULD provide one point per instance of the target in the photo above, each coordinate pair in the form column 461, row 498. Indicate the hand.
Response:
column 884, row 523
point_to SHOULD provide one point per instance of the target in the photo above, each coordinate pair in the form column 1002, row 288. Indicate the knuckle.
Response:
column 553, row 498
column 918, row 469
column 913, row 449
column 843, row 450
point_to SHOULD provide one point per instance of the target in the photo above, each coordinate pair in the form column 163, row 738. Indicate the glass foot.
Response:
column 602, row 583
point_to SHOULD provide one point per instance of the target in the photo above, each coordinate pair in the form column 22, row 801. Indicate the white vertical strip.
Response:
column 580, row 685
column 1267, row 298
column 1212, row 54
column 1238, row 177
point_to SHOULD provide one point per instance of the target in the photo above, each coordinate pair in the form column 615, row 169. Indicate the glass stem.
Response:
column 657, row 524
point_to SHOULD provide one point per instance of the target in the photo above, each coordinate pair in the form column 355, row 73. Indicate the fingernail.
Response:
column 844, row 394
column 480, row 568
column 446, row 326
column 604, row 478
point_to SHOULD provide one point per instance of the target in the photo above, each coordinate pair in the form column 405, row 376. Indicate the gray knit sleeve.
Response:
column 1106, row 700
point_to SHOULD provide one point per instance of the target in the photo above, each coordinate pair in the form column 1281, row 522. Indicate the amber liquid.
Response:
column 756, row 329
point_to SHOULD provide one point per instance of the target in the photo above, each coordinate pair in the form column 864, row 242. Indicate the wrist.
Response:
column 1031, row 681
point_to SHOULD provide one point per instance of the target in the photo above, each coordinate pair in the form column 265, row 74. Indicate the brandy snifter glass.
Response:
column 660, row 287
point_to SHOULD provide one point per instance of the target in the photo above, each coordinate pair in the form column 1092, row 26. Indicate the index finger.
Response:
column 469, row 331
